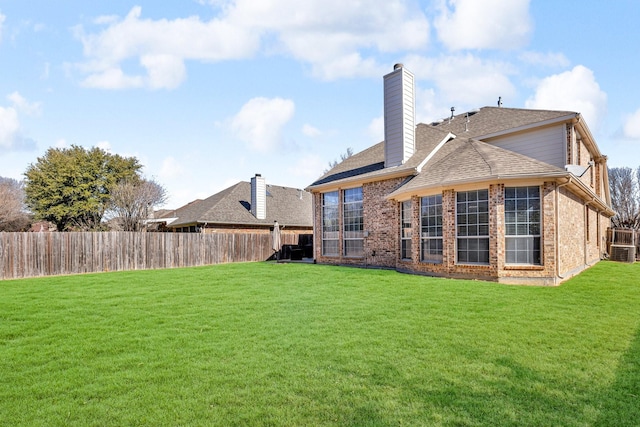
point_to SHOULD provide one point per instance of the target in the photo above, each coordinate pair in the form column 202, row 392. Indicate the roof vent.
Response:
column 500, row 101
column 398, row 65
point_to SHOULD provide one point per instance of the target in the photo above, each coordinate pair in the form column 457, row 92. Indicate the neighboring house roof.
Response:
column 288, row 206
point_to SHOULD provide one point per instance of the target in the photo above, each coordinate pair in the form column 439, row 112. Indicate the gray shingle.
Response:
column 288, row 206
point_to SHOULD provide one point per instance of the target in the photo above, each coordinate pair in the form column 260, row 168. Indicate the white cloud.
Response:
column 487, row 24
column 104, row 145
column 462, row 81
column 576, row 90
column 332, row 36
column 62, row 143
column 311, row 131
column 549, row 59
column 376, row 129
column 631, row 127
column 9, row 126
column 170, row 169
column 161, row 46
column 21, row 104
column 2, row 19
column 11, row 137
column 259, row 122
column 308, row 167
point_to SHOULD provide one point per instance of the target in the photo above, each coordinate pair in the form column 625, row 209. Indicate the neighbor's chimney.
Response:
column 258, row 197
column 399, row 116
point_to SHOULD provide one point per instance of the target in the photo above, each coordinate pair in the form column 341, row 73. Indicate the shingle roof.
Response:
column 482, row 122
column 370, row 162
column 490, row 120
column 464, row 160
column 288, row 206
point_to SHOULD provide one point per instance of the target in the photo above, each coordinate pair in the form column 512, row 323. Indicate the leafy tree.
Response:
column 625, row 196
column 71, row 187
column 13, row 215
column 132, row 201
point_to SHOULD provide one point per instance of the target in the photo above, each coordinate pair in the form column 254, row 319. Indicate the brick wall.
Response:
column 382, row 246
column 381, row 220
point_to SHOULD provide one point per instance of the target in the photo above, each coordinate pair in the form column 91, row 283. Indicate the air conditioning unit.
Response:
column 623, row 253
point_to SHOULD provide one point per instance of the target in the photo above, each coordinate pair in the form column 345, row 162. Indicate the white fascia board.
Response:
column 446, row 139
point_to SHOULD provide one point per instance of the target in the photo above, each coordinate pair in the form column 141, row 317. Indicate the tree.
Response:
column 625, row 197
column 133, row 200
column 13, row 216
column 344, row 156
column 71, row 187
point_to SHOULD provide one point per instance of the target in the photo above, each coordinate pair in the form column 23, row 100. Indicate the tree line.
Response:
column 79, row 189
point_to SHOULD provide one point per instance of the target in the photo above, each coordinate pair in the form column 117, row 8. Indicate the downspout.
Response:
column 557, row 245
column 586, row 236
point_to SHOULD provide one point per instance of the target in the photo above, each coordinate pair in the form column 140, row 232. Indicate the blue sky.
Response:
column 206, row 93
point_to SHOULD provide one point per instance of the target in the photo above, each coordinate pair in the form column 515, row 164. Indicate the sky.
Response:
column 206, row 93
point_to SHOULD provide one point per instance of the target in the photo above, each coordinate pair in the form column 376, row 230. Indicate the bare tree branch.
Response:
column 133, row 201
column 625, row 197
column 13, row 215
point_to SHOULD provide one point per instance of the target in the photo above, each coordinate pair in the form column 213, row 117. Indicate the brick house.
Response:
column 502, row 194
column 245, row 207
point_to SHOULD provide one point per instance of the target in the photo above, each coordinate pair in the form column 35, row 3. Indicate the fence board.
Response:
column 50, row 254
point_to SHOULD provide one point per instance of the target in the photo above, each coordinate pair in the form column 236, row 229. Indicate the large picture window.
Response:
column 353, row 223
column 522, row 225
column 405, row 236
column 472, row 227
column 431, row 228
column 330, row 226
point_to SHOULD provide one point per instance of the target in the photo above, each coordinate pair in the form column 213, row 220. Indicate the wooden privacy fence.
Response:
column 50, row 254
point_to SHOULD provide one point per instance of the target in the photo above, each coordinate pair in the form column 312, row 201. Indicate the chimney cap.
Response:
column 398, row 65
column 258, row 174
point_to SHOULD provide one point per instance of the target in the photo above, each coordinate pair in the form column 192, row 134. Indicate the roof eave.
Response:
column 401, row 194
column 397, row 172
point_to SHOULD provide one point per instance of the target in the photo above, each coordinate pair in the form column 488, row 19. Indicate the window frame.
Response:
column 473, row 227
column 353, row 222
column 523, row 224
column 406, row 230
column 330, row 232
column 431, row 232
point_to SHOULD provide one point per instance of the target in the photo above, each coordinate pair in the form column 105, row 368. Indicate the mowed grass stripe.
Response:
column 289, row 344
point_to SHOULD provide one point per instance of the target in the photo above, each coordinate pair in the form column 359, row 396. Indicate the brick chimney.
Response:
column 399, row 116
column 258, row 197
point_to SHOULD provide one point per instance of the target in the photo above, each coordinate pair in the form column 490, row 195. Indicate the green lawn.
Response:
column 308, row 345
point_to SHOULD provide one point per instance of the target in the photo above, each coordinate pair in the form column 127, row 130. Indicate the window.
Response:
column 353, row 223
column 330, row 227
column 472, row 226
column 406, row 230
column 522, row 225
column 431, row 228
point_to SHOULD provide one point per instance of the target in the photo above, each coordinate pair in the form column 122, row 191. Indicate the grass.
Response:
column 306, row 345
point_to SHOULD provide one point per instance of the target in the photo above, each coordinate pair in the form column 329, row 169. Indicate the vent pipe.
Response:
column 258, row 197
